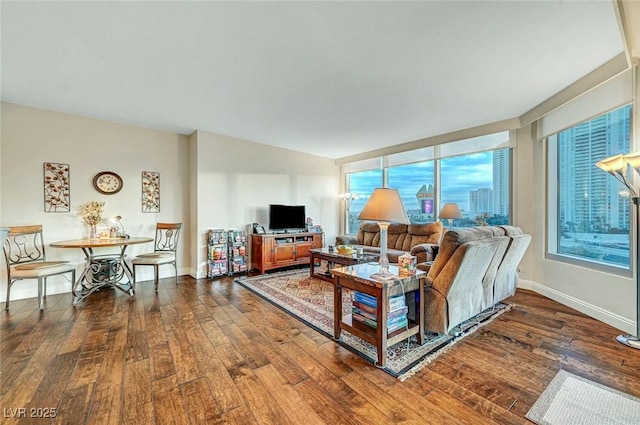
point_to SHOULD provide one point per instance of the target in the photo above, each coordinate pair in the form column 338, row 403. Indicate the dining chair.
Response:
column 26, row 259
column 164, row 252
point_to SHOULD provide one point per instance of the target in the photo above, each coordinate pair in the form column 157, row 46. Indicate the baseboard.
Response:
column 612, row 319
column 58, row 284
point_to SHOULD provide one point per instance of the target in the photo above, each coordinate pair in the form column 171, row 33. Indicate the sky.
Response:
column 460, row 175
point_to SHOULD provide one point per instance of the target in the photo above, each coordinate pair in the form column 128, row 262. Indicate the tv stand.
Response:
column 273, row 251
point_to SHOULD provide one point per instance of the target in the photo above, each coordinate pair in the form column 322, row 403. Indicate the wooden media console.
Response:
column 273, row 251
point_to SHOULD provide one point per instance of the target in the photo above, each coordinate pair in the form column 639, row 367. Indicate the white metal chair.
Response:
column 166, row 245
column 25, row 256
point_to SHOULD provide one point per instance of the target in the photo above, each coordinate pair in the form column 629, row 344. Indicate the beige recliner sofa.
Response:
column 416, row 239
column 475, row 268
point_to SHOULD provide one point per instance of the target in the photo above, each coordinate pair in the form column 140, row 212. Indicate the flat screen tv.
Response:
column 285, row 217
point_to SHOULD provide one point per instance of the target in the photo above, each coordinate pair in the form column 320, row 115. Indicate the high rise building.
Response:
column 480, row 201
column 501, row 181
column 425, row 197
column 584, row 185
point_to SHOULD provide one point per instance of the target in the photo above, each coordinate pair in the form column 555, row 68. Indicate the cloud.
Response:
column 459, row 176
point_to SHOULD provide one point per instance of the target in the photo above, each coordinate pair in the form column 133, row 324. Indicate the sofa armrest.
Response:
column 425, row 267
column 425, row 252
column 346, row 240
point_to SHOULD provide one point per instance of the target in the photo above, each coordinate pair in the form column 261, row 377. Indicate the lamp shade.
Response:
column 384, row 205
column 613, row 163
column 450, row 211
column 633, row 159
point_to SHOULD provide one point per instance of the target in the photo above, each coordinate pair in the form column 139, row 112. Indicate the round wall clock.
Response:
column 107, row 182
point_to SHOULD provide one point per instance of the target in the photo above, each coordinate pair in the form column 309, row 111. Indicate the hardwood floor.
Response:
column 210, row 351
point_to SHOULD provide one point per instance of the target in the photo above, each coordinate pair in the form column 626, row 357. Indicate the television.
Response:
column 285, row 217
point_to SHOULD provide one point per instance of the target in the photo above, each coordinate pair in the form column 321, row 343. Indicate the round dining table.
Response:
column 102, row 270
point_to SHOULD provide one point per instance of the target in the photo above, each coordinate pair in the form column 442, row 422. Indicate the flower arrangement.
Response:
column 92, row 212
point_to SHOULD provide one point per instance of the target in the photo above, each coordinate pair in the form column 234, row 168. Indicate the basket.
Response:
column 345, row 250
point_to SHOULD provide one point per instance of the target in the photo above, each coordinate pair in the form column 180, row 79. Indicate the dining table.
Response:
column 102, row 270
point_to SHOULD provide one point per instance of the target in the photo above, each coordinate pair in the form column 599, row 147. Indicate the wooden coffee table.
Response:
column 357, row 278
column 334, row 257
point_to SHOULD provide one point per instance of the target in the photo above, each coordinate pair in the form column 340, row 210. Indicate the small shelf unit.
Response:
column 237, row 252
column 217, row 253
column 226, row 252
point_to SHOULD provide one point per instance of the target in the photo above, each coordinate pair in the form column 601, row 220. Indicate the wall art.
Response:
column 150, row 192
column 57, row 192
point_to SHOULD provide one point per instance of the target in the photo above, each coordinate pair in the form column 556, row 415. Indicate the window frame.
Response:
column 552, row 196
column 437, row 180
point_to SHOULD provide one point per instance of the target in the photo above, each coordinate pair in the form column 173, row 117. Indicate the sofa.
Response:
column 475, row 268
column 420, row 240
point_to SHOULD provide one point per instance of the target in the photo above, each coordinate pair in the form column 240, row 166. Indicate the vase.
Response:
column 93, row 231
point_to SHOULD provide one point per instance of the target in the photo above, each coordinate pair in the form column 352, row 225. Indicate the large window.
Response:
column 416, row 187
column 589, row 214
column 479, row 183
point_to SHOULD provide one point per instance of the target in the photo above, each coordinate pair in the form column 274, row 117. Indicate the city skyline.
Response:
column 589, row 197
column 460, row 176
column 593, row 209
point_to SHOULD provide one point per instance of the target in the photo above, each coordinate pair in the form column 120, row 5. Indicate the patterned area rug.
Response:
column 311, row 301
column 571, row 399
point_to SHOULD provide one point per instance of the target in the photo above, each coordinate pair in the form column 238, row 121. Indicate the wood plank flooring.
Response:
column 210, row 351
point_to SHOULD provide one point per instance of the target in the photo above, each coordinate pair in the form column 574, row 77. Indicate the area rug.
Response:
column 310, row 300
column 571, row 399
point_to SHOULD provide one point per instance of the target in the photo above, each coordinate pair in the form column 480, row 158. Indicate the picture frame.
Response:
column 57, row 188
column 150, row 192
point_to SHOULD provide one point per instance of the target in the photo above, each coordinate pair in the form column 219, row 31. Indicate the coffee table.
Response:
column 357, row 278
column 334, row 257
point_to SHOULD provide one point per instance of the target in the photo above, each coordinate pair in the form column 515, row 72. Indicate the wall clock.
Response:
column 107, row 182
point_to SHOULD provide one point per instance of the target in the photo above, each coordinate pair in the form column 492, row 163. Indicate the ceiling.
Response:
column 333, row 79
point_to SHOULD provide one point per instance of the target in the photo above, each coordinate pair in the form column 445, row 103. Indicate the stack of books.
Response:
column 365, row 311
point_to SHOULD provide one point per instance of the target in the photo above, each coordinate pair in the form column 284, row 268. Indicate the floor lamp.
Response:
column 617, row 166
column 348, row 199
column 384, row 206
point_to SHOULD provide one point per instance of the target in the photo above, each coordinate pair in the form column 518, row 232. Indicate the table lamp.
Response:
column 384, row 207
column 449, row 212
column 120, row 233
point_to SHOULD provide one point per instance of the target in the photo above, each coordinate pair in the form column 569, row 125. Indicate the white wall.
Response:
column 33, row 136
column 207, row 181
column 237, row 180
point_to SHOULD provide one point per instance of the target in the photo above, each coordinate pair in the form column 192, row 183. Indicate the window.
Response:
column 415, row 183
column 362, row 184
column 589, row 209
column 480, row 184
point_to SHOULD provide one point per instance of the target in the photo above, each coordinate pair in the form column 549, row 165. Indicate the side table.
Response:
column 357, row 278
